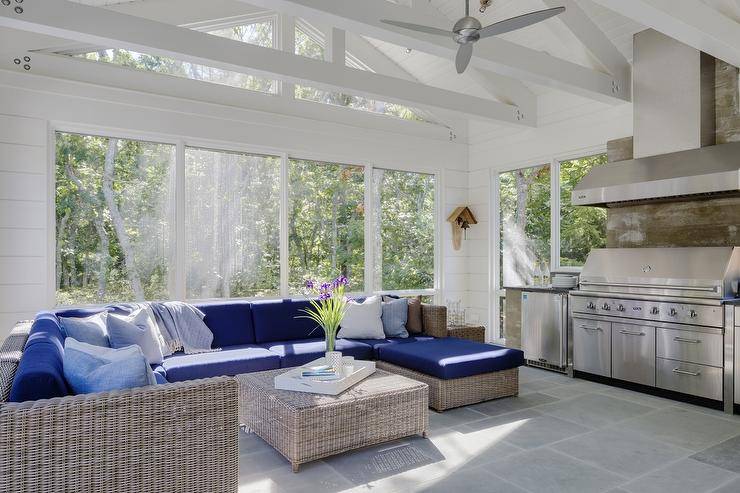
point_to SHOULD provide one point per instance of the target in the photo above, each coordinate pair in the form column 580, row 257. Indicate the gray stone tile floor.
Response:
column 559, row 435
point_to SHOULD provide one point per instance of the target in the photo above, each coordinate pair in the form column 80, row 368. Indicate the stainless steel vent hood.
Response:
column 674, row 125
column 710, row 170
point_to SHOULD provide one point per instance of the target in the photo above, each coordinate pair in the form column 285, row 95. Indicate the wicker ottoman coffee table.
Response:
column 305, row 427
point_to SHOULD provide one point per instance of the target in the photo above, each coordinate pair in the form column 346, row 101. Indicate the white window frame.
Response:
column 497, row 291
column 178, row 248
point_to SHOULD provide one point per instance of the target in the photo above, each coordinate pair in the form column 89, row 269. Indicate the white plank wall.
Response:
column 23, row 219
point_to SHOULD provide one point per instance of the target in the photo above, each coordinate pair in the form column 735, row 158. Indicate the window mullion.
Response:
column 555, row 215
column 284, row 289
column 370, row 231
column 180, row 275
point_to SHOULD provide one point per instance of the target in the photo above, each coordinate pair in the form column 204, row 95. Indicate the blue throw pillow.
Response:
column 395, row 315
column 137, row 329
column 89, row 368
column 91, row 330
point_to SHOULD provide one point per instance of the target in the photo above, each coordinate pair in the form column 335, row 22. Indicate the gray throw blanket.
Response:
column 181, row 327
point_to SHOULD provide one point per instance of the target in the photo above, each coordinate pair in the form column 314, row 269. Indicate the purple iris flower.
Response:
column 324, row 296
column 326, row 287
column 310, row 283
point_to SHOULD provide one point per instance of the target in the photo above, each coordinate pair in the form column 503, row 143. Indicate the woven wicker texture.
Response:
column 305, row 427
column 434, row 319
column 446, row 394
column 180, row 437
column 11, row 351
column 475, row 333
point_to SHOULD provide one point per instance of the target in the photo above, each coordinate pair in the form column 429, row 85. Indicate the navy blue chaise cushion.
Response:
column 451, row 358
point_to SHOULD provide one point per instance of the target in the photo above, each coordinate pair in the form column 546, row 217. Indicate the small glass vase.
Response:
column 334, row 359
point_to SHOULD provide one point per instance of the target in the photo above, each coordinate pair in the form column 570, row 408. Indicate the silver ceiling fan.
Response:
column 468, row 30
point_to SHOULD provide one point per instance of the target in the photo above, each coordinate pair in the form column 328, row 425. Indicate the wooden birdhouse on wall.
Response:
column 461, row 219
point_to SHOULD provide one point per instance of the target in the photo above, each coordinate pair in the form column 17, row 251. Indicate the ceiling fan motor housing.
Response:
column 467, row 30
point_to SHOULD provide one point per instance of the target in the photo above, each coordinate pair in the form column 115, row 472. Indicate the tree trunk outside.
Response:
column 92, row 206
column 61, row 234
column 117, row 220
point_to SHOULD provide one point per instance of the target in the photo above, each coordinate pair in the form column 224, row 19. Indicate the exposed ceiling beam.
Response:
column 506, row 90
column 493, row 54
column 99, row 26
column 690, row 21
column 593, row 38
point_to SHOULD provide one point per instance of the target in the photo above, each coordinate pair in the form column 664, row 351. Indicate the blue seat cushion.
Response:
column 230, row 322
column 301, row 351
column 451, row 358
column 376, row 344
column 40, row 373
column 229, row 361
column 278, row 321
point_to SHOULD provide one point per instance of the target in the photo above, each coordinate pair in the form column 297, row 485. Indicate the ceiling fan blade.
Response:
column 464, row 54
column 519, row 22
column 418, row 27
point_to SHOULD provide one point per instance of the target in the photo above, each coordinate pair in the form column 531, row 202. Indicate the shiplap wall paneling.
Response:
column 23, row 219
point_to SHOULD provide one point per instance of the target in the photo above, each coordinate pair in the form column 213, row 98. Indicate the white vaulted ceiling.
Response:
column 553, row 37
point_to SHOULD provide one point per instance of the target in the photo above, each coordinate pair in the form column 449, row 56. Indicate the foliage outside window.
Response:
column 113, row 210
column 308, row 46
column 116, row 227
column 525, row 223
column 232, row 204
column 404, row 238
column 257, row 33
column 581, row 228
column 326, row 223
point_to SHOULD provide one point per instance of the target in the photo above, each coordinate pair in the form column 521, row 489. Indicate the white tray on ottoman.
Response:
column 292, row 379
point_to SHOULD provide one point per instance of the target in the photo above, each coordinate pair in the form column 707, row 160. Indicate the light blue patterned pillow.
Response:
column 89, row 368
column 91, row 330
column 136, row 329
column 395, row 315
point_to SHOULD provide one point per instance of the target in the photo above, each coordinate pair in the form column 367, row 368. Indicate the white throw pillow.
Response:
column 363, row 320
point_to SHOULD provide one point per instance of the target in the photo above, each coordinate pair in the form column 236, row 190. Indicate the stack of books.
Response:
column 321, row 373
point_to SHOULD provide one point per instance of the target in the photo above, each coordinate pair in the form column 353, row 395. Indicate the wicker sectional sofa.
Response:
column 178, row 435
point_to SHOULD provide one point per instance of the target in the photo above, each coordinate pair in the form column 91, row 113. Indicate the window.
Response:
column 113, row 210
column 524, row 224
column 530, row 237
column 232, row 204
column 309, row 42
column 139, row 220
column 326, row 223
column 581, row 228
column 403, row 242
column 257, row 33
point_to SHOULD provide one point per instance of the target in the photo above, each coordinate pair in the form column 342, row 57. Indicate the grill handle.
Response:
column 685, row 372
column 629, row 333
column 712, row 289
column 687, row 341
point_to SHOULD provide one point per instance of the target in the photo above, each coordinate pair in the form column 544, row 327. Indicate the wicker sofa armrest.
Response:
column 434, row 320
column 165, row 438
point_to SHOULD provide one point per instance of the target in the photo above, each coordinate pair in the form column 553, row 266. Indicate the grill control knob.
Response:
column 692, row 313
column 620, row 308
column 591, row 305
column 672, row 312
column 606, row 307
column 654, row 310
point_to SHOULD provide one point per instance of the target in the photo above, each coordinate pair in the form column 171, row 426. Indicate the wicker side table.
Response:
column 306, row 427
column 475, row 333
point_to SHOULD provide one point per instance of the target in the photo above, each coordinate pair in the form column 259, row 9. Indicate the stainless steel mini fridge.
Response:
column 545, row 328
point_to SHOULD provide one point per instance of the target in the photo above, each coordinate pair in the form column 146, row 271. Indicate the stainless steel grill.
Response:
column 656, row 316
